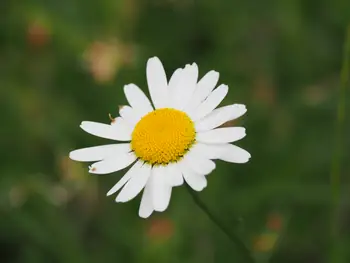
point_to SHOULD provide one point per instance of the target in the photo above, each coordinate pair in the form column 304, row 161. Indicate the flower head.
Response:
column 174, row 140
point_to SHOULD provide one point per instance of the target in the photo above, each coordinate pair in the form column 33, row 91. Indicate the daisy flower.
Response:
column 174, row 140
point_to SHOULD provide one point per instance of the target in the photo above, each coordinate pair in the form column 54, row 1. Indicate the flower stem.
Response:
column 246, row 254
column 338, row 147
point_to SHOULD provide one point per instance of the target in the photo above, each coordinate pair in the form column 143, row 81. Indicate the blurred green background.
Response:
column 62, row 62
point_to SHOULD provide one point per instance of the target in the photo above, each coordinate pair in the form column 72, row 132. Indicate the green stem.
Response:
column 338, row 147
column 232, row 236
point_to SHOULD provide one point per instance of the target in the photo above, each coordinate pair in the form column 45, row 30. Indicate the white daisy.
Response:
column 173, row 141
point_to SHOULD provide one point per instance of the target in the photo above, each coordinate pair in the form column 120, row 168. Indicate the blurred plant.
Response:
column 265, row 242
column 59, row 195
column 76, row 186
column 72, row 173
column 315, row 95
column 263, row 91
column 17, row 196
column 337, row 250
column 38, row 33
column 105, row 58
column 241, row 246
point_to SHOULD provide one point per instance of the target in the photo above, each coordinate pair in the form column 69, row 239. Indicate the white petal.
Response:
column 137, row 99
column 174, row 80
column 220, row 116
column 185, row 87
column 122, row 129
column 161, row 190
column 99, row 153
column 106, row 131
column 113, row 164
column 226, row 152
column 221, row 135
column 235, row 154
column 125, row 178
column 203, row 89
column 196, row 181
column 146, row 206
column 134, row 186
column 198, row 164
column 174, row 175
column 207, row 106
column 210, row 151
column 157, row 83
column 130, row 115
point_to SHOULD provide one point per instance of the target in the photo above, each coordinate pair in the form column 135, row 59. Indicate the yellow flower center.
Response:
column 163, row 136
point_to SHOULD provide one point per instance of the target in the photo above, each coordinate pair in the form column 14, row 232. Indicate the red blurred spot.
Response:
column 38, row 35
column 274, row 221
column 160, row 229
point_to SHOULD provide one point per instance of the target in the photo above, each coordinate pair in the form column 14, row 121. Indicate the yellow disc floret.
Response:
column 163, row 136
